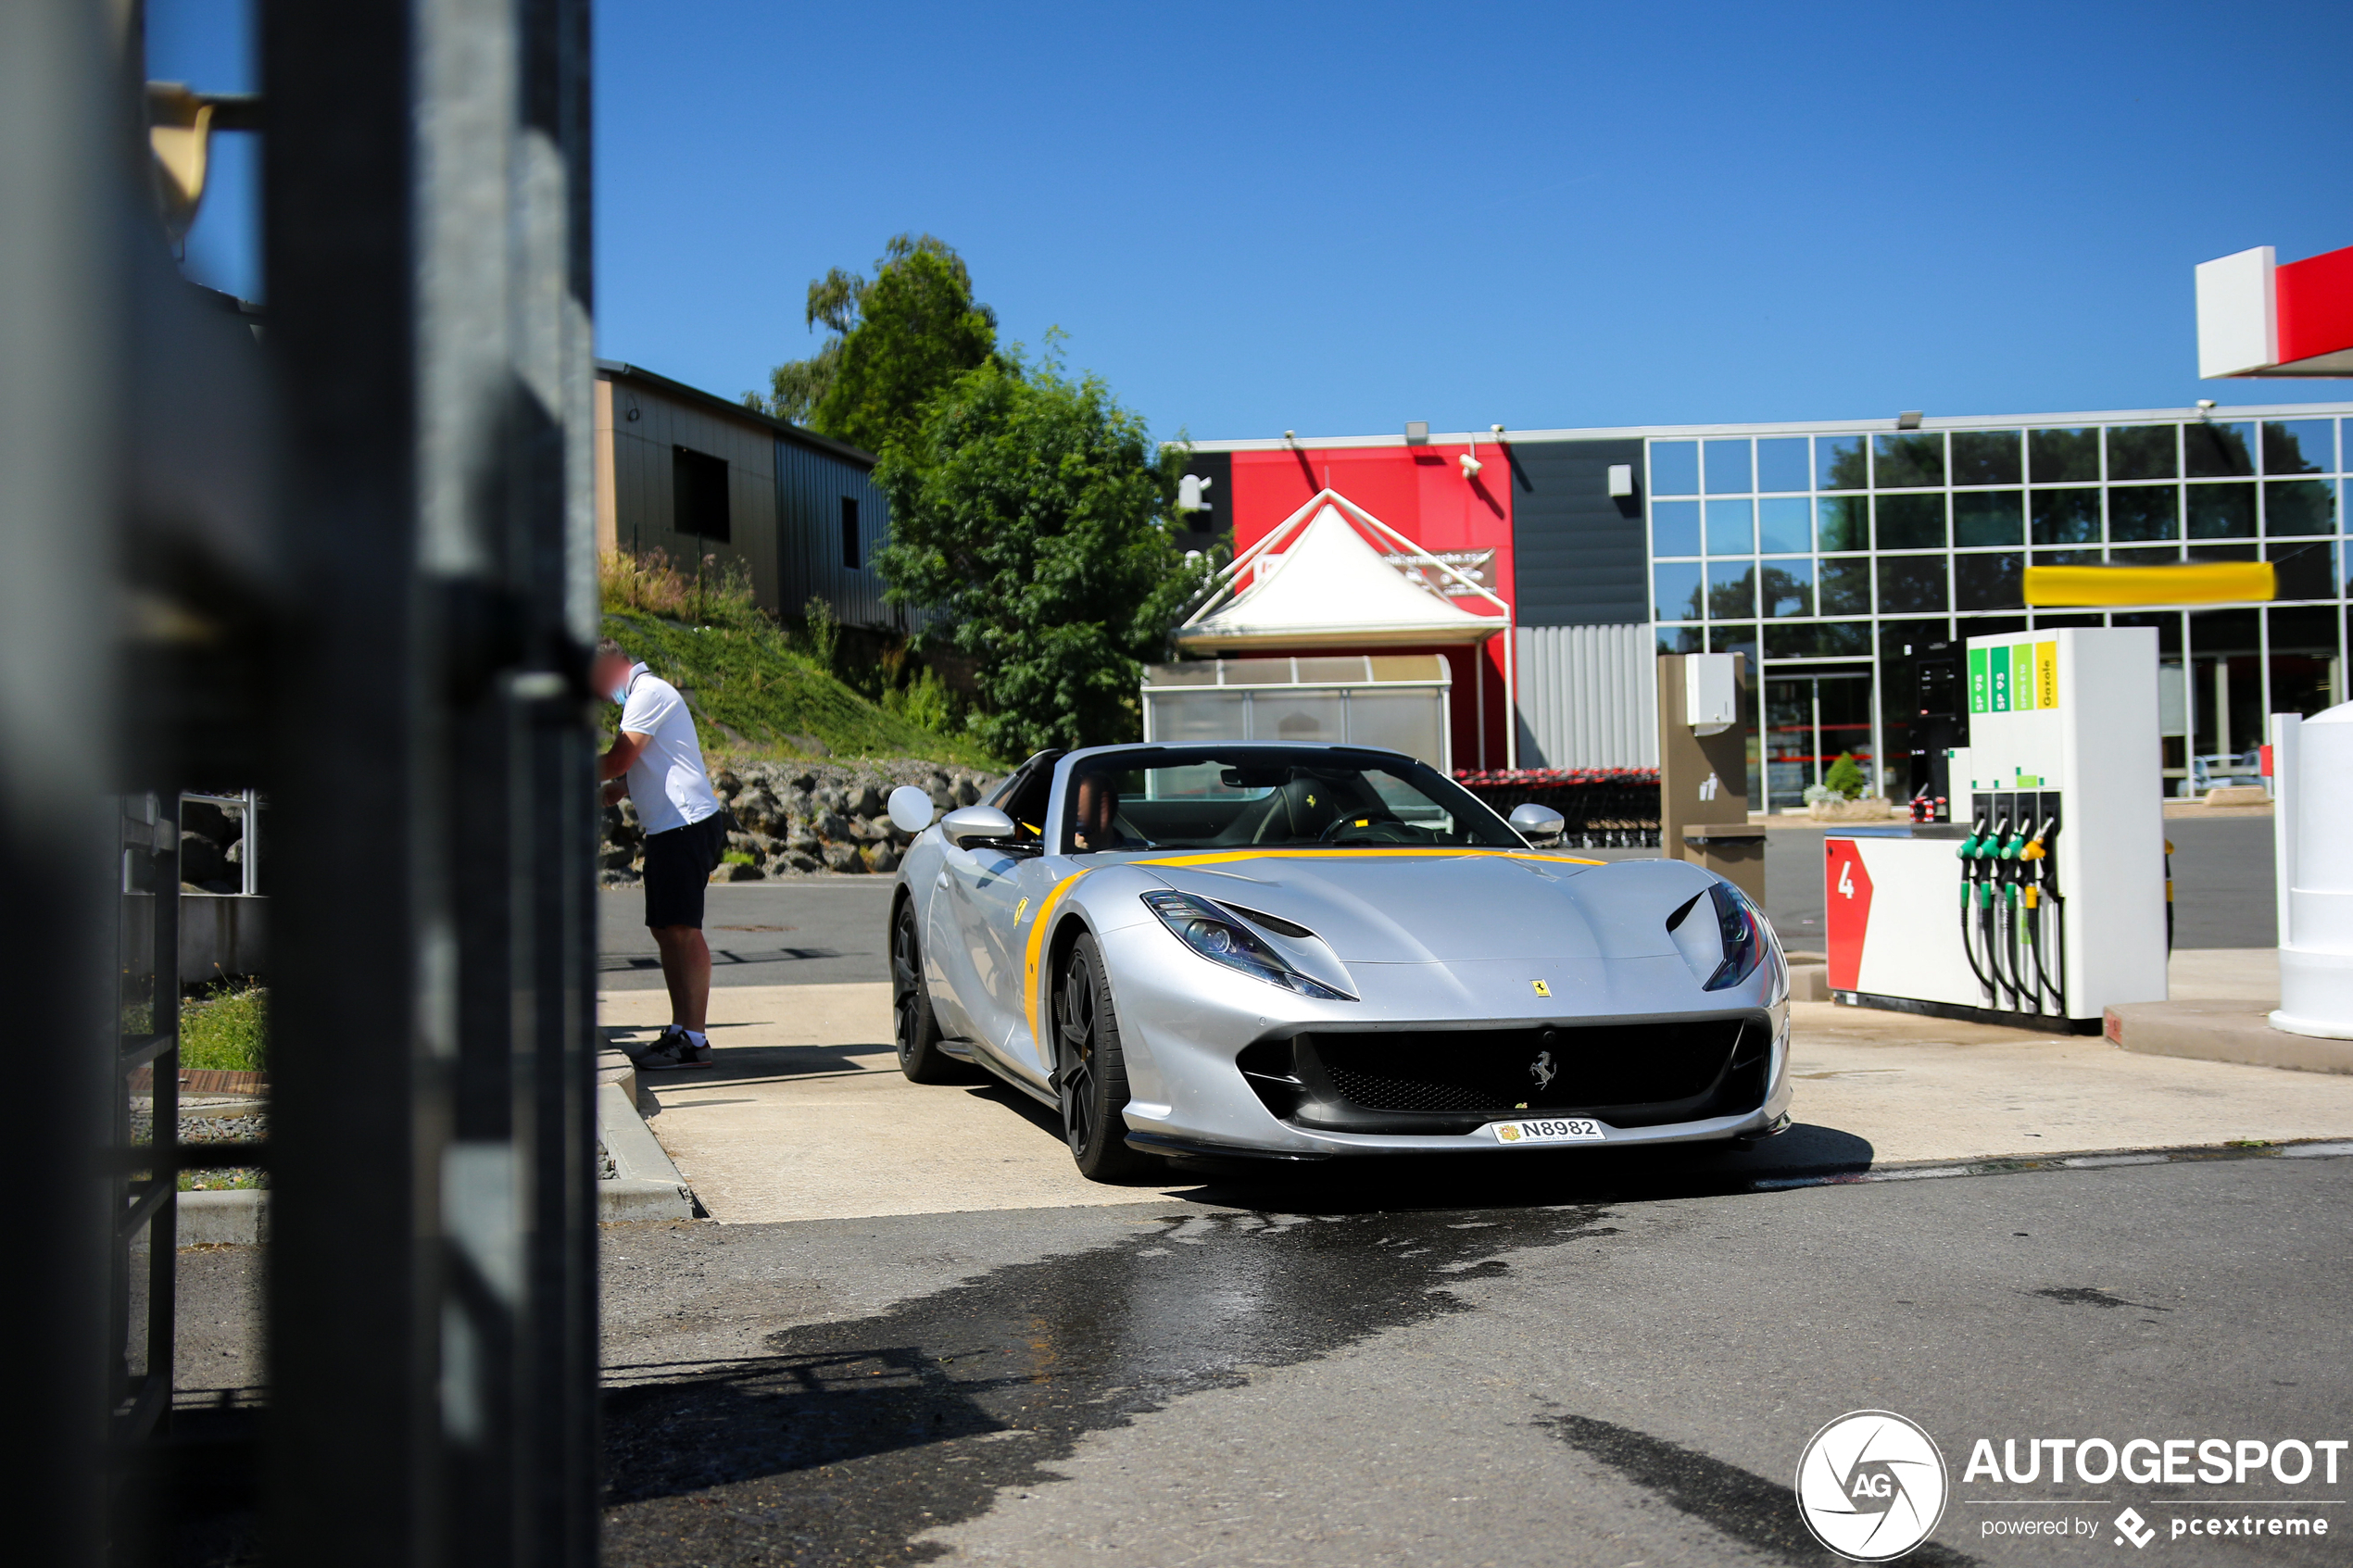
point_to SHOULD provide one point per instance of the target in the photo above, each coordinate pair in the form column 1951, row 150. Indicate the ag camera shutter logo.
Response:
column 1871, row 1486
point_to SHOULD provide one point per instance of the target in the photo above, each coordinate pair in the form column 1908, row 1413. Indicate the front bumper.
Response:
column 1185, row 1025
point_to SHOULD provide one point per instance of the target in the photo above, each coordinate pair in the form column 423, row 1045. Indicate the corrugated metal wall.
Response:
column 1587, row 697
column 810, row 488
column 643, row 500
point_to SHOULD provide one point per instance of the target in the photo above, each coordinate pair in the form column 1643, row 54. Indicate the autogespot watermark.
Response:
column 2264, row 1488
column 1871, row 1486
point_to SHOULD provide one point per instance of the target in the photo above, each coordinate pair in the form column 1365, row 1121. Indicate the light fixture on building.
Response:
column 1908, row 419
column 1621, row 480
column 1417, row 431
column 1189, row 489
column 1470, row 460
column 2205, row 406
column 1498, row 431
column 1291, row 435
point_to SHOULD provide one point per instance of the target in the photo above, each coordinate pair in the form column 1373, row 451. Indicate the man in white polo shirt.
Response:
column 657, row 757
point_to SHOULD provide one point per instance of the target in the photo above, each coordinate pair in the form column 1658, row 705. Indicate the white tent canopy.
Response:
column 1329, row 589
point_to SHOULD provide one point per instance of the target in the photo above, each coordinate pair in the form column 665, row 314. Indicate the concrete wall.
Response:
column 220, row 934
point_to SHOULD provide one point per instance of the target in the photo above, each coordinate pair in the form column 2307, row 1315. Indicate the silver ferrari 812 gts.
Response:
column 1304, row 952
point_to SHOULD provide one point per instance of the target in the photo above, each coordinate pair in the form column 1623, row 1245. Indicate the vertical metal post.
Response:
column 432, row 1323
column 60, row 338
column 249, row 852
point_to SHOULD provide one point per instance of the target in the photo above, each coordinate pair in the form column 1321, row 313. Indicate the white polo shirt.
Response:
column 666, row 782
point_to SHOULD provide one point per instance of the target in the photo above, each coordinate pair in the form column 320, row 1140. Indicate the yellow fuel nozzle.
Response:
column 2034, row 852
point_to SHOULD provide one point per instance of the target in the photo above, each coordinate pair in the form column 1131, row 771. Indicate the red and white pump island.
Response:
column 2043, row 901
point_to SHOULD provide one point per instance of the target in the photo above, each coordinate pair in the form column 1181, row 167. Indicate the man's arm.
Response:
column 619, row 757
column 615, row 762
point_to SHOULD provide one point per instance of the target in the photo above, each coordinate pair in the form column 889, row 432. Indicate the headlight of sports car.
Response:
column 1220, row 939
column 1742, row 942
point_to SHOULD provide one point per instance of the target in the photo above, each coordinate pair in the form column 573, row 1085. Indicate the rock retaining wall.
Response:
column 801, row 819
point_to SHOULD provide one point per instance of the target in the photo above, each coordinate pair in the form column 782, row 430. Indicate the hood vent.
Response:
column 1275, row 924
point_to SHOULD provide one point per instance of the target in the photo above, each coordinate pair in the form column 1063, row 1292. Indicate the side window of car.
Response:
column 1025, row 795
column 1026, row 804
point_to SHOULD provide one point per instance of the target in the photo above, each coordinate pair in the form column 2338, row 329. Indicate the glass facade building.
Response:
column 1829, row 554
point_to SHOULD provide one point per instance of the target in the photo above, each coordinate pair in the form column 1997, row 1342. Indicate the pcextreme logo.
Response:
column 1870, row 1485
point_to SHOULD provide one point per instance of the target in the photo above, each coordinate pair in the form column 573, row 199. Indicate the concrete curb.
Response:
column 2221, row 1031
column 239, row 1217
column 648, row 1186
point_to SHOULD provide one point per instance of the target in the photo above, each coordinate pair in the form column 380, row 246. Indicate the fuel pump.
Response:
column 2044, row 901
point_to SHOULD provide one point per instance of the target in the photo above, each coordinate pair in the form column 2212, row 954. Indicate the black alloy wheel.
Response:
column 1090, row 1072
column 913, row 1029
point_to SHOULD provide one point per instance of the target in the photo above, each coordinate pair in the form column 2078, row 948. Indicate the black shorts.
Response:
column 679, row 866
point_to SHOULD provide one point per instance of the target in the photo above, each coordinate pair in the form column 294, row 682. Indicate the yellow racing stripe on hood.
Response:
column 1456, row 851
column 1035, row 947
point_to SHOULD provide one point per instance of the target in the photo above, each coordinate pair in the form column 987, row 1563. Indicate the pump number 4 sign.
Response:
column 1846, row 899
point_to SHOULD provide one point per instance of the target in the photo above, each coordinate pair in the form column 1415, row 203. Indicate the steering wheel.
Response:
column 1379, row 827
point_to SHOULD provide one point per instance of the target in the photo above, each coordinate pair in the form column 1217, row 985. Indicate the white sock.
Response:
column 694, row 1038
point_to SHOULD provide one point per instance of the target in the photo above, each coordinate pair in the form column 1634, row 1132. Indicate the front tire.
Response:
column 1090, row 1071
column 913, row 1029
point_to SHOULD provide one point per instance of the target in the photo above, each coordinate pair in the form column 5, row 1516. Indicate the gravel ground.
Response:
column 210, row 1129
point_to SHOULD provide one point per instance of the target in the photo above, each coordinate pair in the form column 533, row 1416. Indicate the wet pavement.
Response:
column 1606, row 1367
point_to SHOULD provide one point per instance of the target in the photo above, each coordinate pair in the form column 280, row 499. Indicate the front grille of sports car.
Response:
column 1642, row 1074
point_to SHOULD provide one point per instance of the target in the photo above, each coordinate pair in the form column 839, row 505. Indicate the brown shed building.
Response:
column 692, row 474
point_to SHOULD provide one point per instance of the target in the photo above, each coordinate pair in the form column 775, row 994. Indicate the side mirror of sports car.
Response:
column 1538, row 825
column 910, row 809
column 975, row 825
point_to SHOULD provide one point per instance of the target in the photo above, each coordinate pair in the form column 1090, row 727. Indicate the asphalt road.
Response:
column 820, row 930
column 1501, row 1369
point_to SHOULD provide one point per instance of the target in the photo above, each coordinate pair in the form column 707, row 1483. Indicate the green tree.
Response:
column 895, row 340
column 1028, row 512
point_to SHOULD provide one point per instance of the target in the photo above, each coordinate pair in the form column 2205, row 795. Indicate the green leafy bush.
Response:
column 1845, row 777
column 226, row 1030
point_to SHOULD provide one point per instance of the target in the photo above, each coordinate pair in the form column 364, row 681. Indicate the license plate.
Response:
column 1556, row 1129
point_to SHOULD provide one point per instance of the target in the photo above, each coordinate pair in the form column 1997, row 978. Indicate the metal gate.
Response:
column 348, row 559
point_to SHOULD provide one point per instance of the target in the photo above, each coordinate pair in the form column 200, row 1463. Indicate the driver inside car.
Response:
column 1095, row 811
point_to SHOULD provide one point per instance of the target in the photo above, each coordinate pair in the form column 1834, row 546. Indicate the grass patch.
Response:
column 737, row 858
column 227, row 1029
column 754, row 695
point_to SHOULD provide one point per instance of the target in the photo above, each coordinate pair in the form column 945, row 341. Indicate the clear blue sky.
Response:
column 1339, row 218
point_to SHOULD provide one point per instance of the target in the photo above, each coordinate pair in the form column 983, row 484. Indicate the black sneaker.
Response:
column 675, row 1050
column 640, row 1050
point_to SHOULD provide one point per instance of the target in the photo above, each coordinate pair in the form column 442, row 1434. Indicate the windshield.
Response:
column 1203, row 798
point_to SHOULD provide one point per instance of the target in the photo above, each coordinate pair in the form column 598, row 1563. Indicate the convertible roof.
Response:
column 1329, row 589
